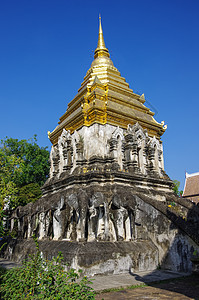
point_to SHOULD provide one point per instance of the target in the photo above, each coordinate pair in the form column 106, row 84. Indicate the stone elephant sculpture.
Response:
column 98, row 227
column 76, row 216
column 122, row 212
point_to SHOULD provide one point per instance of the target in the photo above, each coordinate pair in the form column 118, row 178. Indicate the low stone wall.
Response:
column 93, row 257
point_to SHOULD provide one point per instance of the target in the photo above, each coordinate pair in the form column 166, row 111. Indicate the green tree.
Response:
column 24, row 169
column 36, row 166
column 10, row 167
column 176, row 188
column 38, row 278
column 28, row 193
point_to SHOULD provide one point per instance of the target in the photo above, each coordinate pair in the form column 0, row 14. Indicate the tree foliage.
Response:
column 42, row 279
column 24, row 168
column 35, row 160
column 176, row 188
column 10, row 168
column 28, row 193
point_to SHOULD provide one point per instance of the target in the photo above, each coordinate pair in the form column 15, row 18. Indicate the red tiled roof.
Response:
column 191, row 185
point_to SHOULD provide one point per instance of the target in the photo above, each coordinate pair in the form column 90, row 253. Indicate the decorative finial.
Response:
column 101, row 43
column 101, row 49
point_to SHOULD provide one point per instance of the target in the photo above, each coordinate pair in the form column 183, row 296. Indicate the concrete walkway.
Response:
column 103, row 282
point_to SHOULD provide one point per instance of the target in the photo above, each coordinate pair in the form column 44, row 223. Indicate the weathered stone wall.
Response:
column 94, row 257
column 115, row 220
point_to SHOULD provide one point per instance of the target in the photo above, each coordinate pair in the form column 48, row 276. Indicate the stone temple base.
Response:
column 108, row 206
column 94, row 257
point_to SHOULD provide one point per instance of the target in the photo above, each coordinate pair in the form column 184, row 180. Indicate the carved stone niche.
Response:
column 142, row 154
column 61, row 156
column 151, row 159
column 66, row 150
column 131, row 149
column 68, row 155
column 154, row 157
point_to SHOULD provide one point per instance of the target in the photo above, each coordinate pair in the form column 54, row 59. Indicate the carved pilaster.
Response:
column 113, row 148
column 151, row 159
column 123, row 156
column 135, row 156
column 144, row 153
column 160, row 161
column 65, row 158
column 80, row 151
column 56, row 165
column 131, row 152
column 128, row 148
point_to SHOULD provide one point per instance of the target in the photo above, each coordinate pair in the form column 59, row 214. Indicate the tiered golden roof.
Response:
column 105, row 97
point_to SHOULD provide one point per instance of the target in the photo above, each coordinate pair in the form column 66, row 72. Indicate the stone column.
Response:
column 65, row 159
column 55, row 166
column 131, row 153
column 135, row 156
column 144, row 158
column 79, row 151
column 151, row 158
column 113, row 148
column 123, row 155
column 160, row 161
column 128, row 147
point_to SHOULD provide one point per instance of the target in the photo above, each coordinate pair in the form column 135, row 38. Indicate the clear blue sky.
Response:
column 47, row 47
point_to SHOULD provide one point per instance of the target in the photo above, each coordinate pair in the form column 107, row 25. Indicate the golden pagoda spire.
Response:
column 101, row 49
column 105, row 98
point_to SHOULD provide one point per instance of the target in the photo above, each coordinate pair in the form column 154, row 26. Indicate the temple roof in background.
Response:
column 191, row 188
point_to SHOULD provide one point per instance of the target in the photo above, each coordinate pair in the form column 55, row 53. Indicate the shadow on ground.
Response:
column 176, row 289
column 184, row 286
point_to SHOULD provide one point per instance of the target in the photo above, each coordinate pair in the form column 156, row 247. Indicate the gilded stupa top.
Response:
column 101, row 48
column 105, row 98
column 101, row 55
